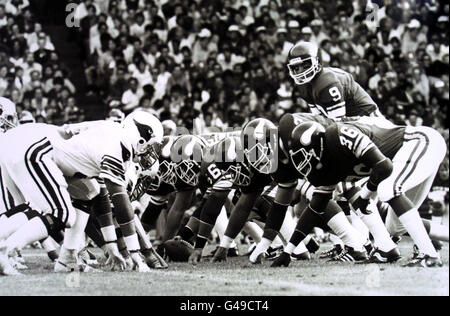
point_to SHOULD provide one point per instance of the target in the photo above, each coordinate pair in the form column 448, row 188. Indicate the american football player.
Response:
column 331, row 92
column 265, row 152
column 396, row 160
column 39, row 178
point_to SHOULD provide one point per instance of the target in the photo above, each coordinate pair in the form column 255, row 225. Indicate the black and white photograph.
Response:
column 219, row 154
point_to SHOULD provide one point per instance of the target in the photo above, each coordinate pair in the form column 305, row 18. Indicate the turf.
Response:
column 236, row 277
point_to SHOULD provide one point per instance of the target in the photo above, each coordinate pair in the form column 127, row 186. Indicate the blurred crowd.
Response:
column 31, row 73
column 207, row 63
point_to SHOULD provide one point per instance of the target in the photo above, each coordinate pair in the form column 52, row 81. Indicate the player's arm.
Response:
column 362, row 147
column 183, row 200
column 331, row 101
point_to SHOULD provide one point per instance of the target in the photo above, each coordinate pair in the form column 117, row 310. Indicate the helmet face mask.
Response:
column 145, row 184
column 188, row 172
column 8, row 114
column 240, row 174
column 166, row 172
column 258, row 157
column 303, row 70
column 301, row 159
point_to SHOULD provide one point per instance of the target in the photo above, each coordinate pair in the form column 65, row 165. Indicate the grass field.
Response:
column 236, row 277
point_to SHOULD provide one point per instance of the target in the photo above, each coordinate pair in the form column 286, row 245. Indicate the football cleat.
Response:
column 333, row 252
column 283, row 260
column 369, row 247
column 87, row 257
column 424, row 261
column 351, row 255
column 52, row 255
column 379, row 256
column 63, row 267
column 273, row 253
column 232, row 252
column 258, row 259
column 396, row 239
column 304, row 256
column 312, row 245
column 178, row 250
column 220, row 254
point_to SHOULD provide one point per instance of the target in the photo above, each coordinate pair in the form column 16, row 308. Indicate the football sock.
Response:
column 301, row 248
column 12, row 224
column 410, row 218
column 288, row 227
column 261, row 248
column 186, row 233
column 226, row 242
column 413, row 224
column 359, row 225
column 73, row 236
column 375, row 224
column 253, row 230
column 32, row 231
column 346, row 232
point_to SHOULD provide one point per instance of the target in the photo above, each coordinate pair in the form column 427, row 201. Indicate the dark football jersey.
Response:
column 346, row 144
column 335, row 93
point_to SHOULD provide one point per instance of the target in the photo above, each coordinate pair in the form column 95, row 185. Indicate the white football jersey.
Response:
column 95, row 152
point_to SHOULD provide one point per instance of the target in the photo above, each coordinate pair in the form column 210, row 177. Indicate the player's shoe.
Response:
column 273, row 253
column 368, row 246
column 283, row 260
column 304, row 256
column 220, row 255
column 5, row 265
column 257, row 260
column 424, row 261
column 87, row 257
column 52, row 255
column 232, row 252
column 313, row 245
column 331, row 253
column 351, row 255
column 19, row 258
column 16, row 264
column 379, row 256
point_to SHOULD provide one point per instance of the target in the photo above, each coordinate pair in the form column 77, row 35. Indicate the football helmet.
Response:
column 260, row 144
column 144, row 132
column 306, row 146
column 116, row 115
column 304, row 62
column 187, row 153
column 8, row 114
column 170, row 128
column 230, row 158
column 166, row 171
